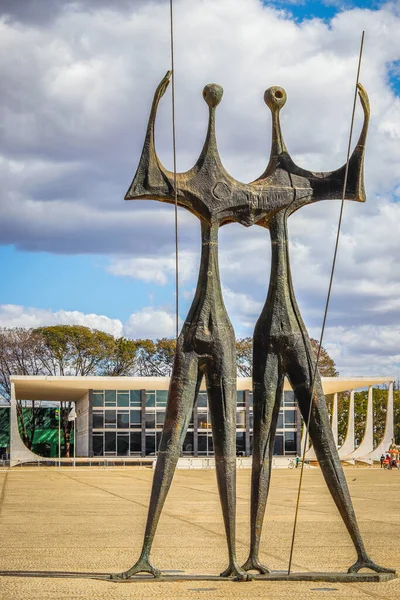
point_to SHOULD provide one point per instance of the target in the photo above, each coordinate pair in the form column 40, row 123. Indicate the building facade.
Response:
column 121, row 418
column 130, row 422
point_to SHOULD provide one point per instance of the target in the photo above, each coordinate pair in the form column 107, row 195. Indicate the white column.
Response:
column 348, row 445
column 385, row 442
column 367, row 443
column 335, row 419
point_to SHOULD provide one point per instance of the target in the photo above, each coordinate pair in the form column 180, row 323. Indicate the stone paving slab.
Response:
column 92, row 521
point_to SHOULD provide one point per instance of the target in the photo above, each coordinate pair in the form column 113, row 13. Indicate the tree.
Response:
column 121, row 360
column 326, row 364
column 155, row 358
column 244, row 354
column 19, row 355
column 73, row 350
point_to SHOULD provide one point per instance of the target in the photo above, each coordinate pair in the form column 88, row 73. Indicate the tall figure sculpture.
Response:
column 281, row 345
column 206, row 344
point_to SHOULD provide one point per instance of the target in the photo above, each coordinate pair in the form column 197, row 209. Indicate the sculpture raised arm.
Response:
column 208, row 191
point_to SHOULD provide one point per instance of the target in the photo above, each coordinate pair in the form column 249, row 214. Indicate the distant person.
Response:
column 297, row 461
column 382, row 459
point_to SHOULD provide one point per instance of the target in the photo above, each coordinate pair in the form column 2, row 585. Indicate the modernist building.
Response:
column 122, row 417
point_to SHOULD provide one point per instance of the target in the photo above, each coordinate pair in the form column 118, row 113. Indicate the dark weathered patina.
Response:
column 281, row 345
column 206, row 344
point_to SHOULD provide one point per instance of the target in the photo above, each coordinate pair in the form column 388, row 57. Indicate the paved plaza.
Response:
column 92, row 520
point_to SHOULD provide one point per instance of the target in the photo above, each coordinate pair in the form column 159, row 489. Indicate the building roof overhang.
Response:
column 71, row 388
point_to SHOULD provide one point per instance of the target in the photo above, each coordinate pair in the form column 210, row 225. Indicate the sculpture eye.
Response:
column 275, row 97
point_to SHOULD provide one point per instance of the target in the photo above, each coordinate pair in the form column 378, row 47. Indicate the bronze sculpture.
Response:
column 206, row 344
column 281, row 345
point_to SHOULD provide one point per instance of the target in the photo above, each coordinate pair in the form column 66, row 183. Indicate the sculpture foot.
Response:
column 143, row 565
column 235, row 571
column 254, row 564
column 367, row 563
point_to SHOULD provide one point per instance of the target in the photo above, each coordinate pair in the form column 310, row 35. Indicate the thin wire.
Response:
column 327, row 303
column 175, row 187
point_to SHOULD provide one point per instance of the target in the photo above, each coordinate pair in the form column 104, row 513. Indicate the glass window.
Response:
column 135, row 399
column 123, row 444
column 160, row 417
column 210, row 449
column 136, row 442
column 250, row 398
column 202, row 444
column 110, row 445
column 110, row 418
column 150, row 420
column 202, row 400
column 188, row 443
column 251, row 419
column 150, row 399
column 290, row 418
column 202, row 420
column 98, row 420
column 278, row 445
column 98, row 449
column 162, row 397
column 290, row 442
column 98, row 398
column 241, row 419
column 240, row 444
column 158, row 439
column 280, row 420
column 110, row 398
column 123, row 419
column 150, row 444
column 136, row 418
column 289, row 399
column 191, row 422
column 123, row 399
column 240, row 398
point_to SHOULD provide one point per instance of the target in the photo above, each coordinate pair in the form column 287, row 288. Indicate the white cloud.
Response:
column 12, row 315
column 150, row 323
column 158, row 269
column 365, row 350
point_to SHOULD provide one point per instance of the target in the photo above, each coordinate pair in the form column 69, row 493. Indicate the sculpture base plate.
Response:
column 175, row 575
column 274, row 576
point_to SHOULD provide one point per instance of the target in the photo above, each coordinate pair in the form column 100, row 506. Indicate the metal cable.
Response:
column 175, row 187
column 326, row 304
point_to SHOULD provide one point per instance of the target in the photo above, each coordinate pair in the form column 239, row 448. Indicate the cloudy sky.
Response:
column 77, row 83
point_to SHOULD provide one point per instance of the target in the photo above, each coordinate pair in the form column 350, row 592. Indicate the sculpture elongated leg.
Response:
column 300, row 369
column 185, row 382
column 268, row 386
column 222, row 400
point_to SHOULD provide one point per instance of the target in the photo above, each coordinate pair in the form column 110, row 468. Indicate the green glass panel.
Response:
column 150, row 399
column 240, row 398
column 110, row 397
column 135, row 398
column 123, row 399
column 136, row 418
column 202, row 400
column 98, row 398
column 162, row 397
